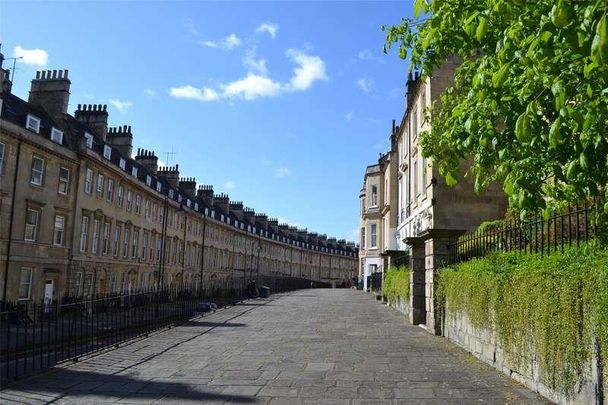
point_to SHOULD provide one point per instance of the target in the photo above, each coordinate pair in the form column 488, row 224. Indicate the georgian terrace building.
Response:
column 79, row 216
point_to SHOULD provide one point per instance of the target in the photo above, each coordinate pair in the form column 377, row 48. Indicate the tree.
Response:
column 529, row 103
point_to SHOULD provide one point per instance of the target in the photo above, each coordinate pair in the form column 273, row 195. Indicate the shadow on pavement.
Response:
column 93, row 387
column 214, row 324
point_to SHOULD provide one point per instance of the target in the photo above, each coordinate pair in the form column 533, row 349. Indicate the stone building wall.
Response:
column 483, row 344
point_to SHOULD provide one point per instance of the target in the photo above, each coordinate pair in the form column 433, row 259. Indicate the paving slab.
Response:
column 318, row 346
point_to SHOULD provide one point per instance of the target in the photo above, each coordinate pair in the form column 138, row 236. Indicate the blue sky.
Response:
column 279, row 104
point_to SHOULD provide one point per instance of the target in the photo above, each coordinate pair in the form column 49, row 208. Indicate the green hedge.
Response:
column 553, row 306
column 397, row 283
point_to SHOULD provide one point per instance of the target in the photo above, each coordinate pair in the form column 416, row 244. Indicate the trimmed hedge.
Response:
column 553, row 306
column 397, row 283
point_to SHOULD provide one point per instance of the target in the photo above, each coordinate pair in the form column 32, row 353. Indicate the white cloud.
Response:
column 36, row 57
column 189, row 92
column 282, row 172
column 366, row 85
column 121, row 105
column 254, row 65
column 354, row 235
column 288, row 222
column 309, row 69
column 349, row 116
column 252, row 87
column 228, row 43
column 191, row 27
column 229, row 185
column 270, row 28
column 368, row 54
column 149, row 92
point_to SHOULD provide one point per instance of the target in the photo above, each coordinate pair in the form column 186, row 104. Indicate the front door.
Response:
column 48, row 294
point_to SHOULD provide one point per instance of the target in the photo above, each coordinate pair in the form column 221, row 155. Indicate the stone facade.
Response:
column 80, row 216
column 378, row 202
column 425, row 214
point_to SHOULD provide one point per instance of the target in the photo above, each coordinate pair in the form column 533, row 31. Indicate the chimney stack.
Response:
column 222, row 201
column 170, row 174
column 205, row 193
column 188, row 186
column 95, row 116
column 122, row 139
column 5, row 77
column 51, row 91
column 236, row 208
column 147, row 159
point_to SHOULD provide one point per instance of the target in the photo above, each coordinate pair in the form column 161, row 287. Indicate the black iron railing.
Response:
column 36, row 336
column 536, row 234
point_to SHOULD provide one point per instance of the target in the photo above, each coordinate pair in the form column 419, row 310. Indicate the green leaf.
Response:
column 450, row 180
column 482, row 29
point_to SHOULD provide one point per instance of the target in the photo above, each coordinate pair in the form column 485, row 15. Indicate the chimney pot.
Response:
column 38, row 74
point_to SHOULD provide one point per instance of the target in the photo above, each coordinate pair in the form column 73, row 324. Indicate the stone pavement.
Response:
column 311, row 346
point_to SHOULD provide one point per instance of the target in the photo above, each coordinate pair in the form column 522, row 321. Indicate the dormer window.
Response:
column 196, row 206
column 159, row 186
column 122, row 164
column 89, row 139
column 134, row 171
column 213, row 213
column 242, row 225
column 56, row 135
column 179, row 198
column 222, row 217
column 207, row 212
column 170, row 193
column 188, row 203
column 148, row 180
column 107, row 152
column 32, row 123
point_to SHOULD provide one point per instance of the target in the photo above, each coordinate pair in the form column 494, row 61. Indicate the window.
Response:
column 79, row 283
column 31, row 224
column 134, row 245
column 363, row 238
column 424, row 171
column 64, row 180
column 107, row 152
column 122, row 163
column 125, row 251
column 134, row 171
column 152, row 242
column 95, row 248
column 116, row 241
column 373, row 236
column 84, row 234
column 2, row 149
column 106, row 238
column 415, row 175
column 56, row 135
column 138, row 204
column 37, row 175
column 88, row 181
column 374, row 199
column 110, row 191
column 158, row 242
column 100, row 185
column 144, row 247
column 59, row 230
column 119, row 195
column 113, row 282
column 89, row 139
column 129, row 200
column 32, row 123
column 158, row 186
column 25, row 283
column 148, row 180
column 147, row 209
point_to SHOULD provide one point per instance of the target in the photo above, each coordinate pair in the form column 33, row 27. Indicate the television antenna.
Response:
column 170, row 155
